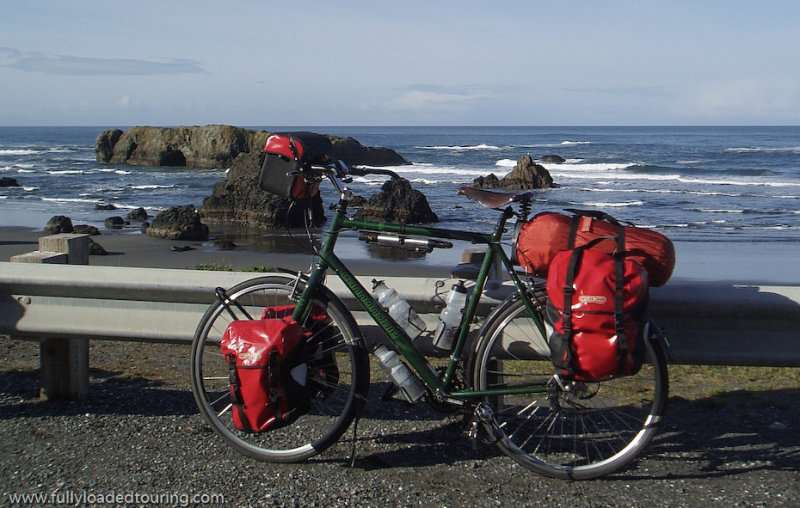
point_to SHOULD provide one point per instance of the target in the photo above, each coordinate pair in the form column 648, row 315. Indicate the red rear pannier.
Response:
column 256, row 351
column 597, row 304
column 548, row 233
column 286, row 156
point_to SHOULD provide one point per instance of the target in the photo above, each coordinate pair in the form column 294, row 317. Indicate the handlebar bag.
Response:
column 267, row 372
column 287, row 156
column 549, row 233
column 597, row 304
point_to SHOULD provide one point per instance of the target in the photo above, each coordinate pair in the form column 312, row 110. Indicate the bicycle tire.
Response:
column 594, row 430
column 332, row 409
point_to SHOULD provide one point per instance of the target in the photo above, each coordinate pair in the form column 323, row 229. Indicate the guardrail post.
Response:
column 65, row 369
column 64, row 362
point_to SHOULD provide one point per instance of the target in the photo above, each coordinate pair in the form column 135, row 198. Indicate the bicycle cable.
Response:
column 311, row 245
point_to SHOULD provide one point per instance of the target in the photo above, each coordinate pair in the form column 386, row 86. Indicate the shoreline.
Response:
column 733, row 261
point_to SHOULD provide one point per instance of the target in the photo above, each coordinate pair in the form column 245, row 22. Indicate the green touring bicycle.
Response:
column 498, row 371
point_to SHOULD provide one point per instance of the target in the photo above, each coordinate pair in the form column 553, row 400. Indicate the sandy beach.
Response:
column 736, row 262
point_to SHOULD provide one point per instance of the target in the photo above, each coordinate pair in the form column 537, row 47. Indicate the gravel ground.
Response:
column 140, row 435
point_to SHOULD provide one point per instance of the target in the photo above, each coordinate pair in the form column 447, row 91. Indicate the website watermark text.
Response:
column 86, row 498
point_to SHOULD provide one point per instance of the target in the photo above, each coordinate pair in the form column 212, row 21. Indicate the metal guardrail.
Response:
column 706, row 323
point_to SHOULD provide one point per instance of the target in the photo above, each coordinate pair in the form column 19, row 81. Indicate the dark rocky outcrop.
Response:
column 139, row 214
column 553, row 159
column 8, row 182
column 104, row 144
column 95, row 249
column 525, row 175
column 178, row 223
column 398, row 202
column 487, row 182
column 59, row 224
column 85, row 229
column 353, row 153
column 213, row 146
column 115, row 223
column 238, row 202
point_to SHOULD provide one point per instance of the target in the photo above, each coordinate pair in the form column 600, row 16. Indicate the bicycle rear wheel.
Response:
column 579, row 430
column 336, row 347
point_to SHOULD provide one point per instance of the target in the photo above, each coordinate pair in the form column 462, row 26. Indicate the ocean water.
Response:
column 699, row 184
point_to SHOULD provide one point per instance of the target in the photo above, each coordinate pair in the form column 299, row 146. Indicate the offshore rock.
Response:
column 552, row 158
column 354, row 153
column 104, row 144
column 214, row 146
column 398, row 202
column 178, row 223
column 487, row 182
column 139, row 215
column 211, row 146
column 238, row 201
column 525, row 175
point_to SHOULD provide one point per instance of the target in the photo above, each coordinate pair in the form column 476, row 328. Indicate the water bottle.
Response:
column 450, row 317
column 406, row 382
column 399, row 309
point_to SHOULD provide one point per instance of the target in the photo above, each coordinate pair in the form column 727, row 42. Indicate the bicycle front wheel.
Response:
column 337, row 348
column 578, row 430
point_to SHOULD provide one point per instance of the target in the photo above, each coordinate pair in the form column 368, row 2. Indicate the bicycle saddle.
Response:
column 494, row 199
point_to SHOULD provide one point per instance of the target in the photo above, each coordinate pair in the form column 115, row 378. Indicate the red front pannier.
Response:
column 549, row 233
column 286, row 157
column 597, row 304
column 259, row 355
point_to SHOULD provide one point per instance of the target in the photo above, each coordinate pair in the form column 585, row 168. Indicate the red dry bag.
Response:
column 259, row 354
column 548, row 233
column 597, row 304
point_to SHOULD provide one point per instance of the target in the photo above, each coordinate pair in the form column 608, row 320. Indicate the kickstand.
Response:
column 353, row 449
column 391, row 389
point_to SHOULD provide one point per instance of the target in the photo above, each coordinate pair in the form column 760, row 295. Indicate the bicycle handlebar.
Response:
column 366, row 171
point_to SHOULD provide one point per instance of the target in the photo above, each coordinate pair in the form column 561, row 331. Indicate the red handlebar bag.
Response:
column 286, row 157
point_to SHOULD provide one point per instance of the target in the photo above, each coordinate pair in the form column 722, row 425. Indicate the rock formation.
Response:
column 59, row 224
column 238, row 202
column 525, row 175
column 178, row 223
column 213, row 146
column 398, row 202
column 553, row 158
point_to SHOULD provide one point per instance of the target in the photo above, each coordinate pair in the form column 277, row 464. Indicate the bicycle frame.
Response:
column 439, row 385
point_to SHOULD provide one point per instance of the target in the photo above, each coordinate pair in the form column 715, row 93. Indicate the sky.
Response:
column 400, row 62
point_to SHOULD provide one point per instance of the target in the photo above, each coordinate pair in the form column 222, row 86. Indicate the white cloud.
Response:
column 91, row 66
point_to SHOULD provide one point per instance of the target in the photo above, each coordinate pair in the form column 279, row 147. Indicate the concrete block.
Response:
column 76, row 246
column 52, row 258
column 473, row 255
